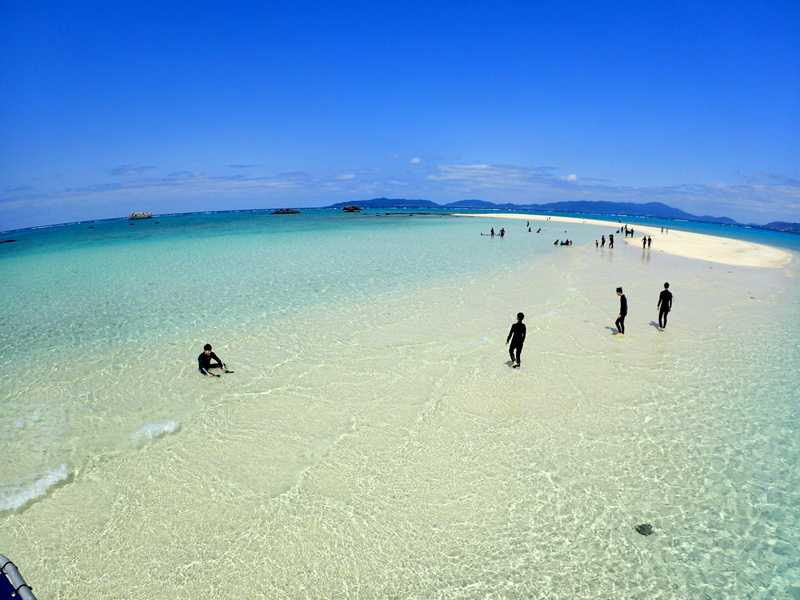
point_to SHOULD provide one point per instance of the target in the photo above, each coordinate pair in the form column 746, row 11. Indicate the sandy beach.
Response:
column 682, row 243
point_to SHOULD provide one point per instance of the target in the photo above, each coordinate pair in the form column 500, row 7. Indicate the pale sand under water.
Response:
column 384, row 449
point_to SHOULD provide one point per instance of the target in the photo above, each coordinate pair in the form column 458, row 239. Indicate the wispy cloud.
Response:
column 415, row 161
column 774, row 178
column 244, row 166
column 483, row 176
column 127, row 170
column 186, row 174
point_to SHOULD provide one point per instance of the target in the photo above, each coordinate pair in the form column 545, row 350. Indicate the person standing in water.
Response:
column 517, row 338
column 204, row 362
column 623, row 312
column 664, row 306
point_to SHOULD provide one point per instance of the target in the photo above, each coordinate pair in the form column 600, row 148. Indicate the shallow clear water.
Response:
column 373, row 442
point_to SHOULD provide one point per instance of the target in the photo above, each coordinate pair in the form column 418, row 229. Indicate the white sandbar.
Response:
column 699, row 246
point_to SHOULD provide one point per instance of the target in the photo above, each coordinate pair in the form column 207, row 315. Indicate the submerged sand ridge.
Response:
column 382, row 446
column 682, row 243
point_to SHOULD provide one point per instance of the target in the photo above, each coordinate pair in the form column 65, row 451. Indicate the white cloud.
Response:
column 346, row 176
column 569, row 178
column 129, row 170
column 415, row 161
column 484, row 175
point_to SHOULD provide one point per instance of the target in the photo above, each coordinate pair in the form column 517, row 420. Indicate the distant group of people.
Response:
column 646, row 240
column 602, row 243
column 563, row 242
column 491, row 233
column 503, row 231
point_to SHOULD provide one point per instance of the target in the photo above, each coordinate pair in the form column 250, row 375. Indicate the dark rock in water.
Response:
column 645, row 529
column 351, row 208
column 7, row 241
column 286, row 211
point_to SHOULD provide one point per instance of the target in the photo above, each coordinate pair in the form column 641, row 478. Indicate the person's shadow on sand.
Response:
column 613, row 330
column 509, row 363
column 654, row 324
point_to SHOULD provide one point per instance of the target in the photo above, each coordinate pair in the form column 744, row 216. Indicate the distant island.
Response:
column 655, row 210
column 782, row 226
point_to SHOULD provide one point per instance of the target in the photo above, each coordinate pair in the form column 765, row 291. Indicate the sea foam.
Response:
column 152, row 431
column 35, row 490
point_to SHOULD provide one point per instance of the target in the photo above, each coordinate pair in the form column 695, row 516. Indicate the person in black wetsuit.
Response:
column 664, row 306
column 204, row 362
column 623, row 312
column 517, row 338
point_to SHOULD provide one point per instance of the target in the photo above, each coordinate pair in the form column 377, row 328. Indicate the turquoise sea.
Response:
column 373, row 441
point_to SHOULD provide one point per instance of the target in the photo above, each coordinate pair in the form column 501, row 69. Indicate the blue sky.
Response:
column 109, row 107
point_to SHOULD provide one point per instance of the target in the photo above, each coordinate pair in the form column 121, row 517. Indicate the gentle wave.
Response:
column 35, row 490
column 152, row 431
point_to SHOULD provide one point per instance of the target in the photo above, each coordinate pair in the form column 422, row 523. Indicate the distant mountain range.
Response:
column 649, row 209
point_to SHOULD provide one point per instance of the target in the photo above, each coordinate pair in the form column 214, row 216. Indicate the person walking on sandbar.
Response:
column 664, row 306
column 623, row 312
column 517, row 338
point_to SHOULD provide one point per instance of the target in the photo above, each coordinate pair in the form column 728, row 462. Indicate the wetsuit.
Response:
column 518, row 332
column 664, row 306
column 204, row 363
column 623, row 312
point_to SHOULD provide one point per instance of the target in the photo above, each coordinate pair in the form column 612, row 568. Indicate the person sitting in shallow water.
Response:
column 204, row 362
